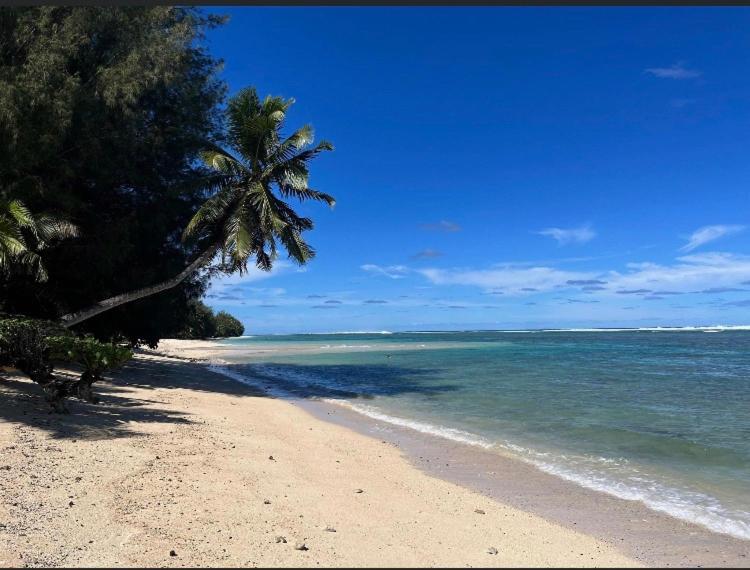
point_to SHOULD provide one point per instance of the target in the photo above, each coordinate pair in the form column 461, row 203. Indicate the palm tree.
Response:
column 246, row 216
column 22, row 235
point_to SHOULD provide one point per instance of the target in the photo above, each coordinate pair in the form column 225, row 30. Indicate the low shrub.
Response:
column 95, row 357
column 23, row 345
column 33, row 345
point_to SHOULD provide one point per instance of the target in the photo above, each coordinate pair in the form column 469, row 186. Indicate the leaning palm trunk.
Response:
column 244, row 218
column 72, row 319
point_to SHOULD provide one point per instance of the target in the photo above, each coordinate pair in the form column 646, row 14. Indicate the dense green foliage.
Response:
column 23, row 345
column 112, row 119
column 34, row 345
column 246, row 213
column 200, row 322
column 103, row 112
column 203, row 323
column 227, row 325
column 93, row 356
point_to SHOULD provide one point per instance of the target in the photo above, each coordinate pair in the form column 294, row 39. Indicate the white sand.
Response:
column 177, row 458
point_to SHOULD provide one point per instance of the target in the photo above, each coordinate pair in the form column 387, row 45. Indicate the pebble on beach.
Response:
column 492, row 550
column 301, row 546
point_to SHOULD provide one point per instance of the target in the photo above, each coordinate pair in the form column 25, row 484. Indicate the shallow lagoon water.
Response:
column 661, row 417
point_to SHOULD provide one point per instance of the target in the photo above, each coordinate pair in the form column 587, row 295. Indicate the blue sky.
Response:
column 502, row 167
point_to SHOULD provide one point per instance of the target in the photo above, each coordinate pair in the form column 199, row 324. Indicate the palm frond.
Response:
column 246, row 213
column 22, row 234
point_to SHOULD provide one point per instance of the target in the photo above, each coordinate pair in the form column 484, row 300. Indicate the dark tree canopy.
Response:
column 201, row 322
column 103, row 112
column 227, row 325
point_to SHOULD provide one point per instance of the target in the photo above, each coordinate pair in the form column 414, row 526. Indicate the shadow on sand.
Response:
column 122, row 410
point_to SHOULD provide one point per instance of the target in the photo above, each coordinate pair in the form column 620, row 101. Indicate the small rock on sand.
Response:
column 271, row 458
column 479, row 511
column 329, row 529
column 492, row 550
column 266, row 502
column 358, row 491
column 172, row 553
column 280, row 539
column 300, row 546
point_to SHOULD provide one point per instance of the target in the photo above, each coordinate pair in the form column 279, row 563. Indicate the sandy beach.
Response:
column 182, row 467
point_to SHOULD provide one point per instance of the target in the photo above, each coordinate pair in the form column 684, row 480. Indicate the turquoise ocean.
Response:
column 658, row 416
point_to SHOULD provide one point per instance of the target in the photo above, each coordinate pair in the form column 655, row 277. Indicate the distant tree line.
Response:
column 202, row 323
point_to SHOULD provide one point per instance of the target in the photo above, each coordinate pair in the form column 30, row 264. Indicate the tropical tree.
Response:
column 228, row 325
column 103, row 112
column 245, row 216
column 23, row 235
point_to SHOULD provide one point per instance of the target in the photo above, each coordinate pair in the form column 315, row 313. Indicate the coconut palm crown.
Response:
column 248, row 215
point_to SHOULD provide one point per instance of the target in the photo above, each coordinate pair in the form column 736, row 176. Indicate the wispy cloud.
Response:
column 333, row 302
column 427, row 254
column 511, row 280
column 582, row 234
column 392, row 271
column 442, row 226
column 717, row 290
column 707, row 234
column 375, row 302
column 236, row 283
column 674, row 71
column 688, row 274
column 586, row 282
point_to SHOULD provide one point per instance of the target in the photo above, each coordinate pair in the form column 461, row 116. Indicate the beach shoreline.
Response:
column 652, row 537
column 179, row 466
column 178, row 458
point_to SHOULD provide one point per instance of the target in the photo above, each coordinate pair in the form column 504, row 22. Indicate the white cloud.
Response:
column 709, row 233
column 392, row 271
column 427, row 254
column 442, row 226
column 674, row 71
column 221, row 283
column 691, row 273
column 688, row 274
column 572, row 235
column 511, row 280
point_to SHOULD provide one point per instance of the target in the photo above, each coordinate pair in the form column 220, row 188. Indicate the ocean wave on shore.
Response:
column 614, row 476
